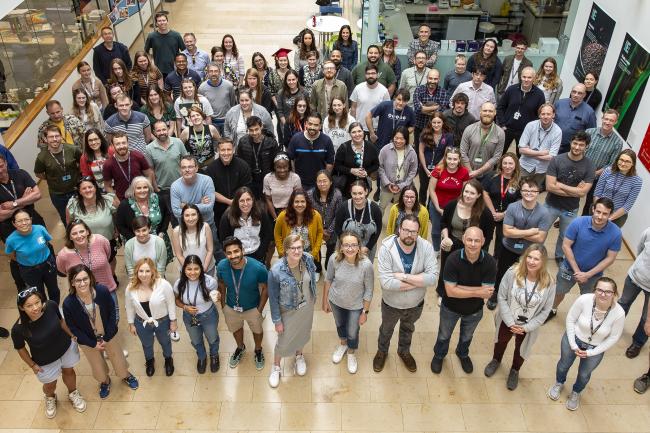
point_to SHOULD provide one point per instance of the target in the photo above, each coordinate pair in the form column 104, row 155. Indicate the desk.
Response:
column 326, row 26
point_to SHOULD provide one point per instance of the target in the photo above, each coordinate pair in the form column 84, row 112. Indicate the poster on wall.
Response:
column 644, row 150
column 122, row 9
column 628, row 83
column 595, row 43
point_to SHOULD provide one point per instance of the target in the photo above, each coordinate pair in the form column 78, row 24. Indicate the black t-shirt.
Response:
column 48, row 341
column 569, row 172
column 460, row 271
column 493, row 185
column 21, row 181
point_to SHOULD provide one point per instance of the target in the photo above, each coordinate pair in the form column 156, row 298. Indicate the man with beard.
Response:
column 242, row 284
column 197, row 58
column 367, row 96
column 342, row 73
column 415, row 75
column 311, row 151
column 406, row 265
column 326, row 89
column 124, row 166
column 257, row 149
column 427, row 99
column 220, row 93
column 174, row 80
column 457, row 117
column 385, row 74
column 482, row 143
column 477, row 91
column 71, row 128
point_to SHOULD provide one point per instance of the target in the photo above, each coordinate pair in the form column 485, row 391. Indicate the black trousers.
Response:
column 586, row 210
column 512, row 135
column 505, row 259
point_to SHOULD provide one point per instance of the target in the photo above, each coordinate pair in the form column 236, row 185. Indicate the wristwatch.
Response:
column 14, row 204
column 366, row 312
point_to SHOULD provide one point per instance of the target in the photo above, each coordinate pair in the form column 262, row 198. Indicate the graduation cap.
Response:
column 282, row 52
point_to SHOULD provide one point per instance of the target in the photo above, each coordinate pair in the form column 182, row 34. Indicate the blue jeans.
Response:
column 347, row 324
column 219, row 124
column 586, row 367
column 630, row 292
column 207, row 326
column 60, row 201
column 117, row 307
column 564, row 281
column 566, row 216
column 435, row 218
column 217, row 250
column 448, row 320
column 146, row 333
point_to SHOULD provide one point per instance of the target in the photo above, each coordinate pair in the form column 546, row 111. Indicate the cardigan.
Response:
column 232, row 119
column 77, row 319
column 344, row 160
column 315, row 231
column 423, row 218
column 162, row 303
column 160, row 260
column 486, row 223
column 578, row 320
column 388, row 166
column 266, row 232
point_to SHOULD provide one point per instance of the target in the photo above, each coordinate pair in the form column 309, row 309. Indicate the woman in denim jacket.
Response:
column 292, row 294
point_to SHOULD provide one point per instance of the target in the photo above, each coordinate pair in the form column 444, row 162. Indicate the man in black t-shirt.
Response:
column 469, row 275
column 311, row 151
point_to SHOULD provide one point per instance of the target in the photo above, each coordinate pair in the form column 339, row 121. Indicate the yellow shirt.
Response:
column 65, row 134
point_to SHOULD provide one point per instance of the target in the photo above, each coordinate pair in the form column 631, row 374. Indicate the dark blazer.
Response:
column 77, row 319
column 486, row 224
column 506, row 69
column 266, row 232
column 344, row 161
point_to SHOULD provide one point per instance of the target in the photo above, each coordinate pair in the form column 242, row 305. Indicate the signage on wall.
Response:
column 644, row 150
column 122, row 9
column 628, row 83
column 595, row 43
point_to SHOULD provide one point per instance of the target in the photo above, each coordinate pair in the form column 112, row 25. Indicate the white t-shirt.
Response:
column 190, row 293
column 514, row 77
column 368, row 98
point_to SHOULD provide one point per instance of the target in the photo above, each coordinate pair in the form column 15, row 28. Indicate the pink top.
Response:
column 100, row 251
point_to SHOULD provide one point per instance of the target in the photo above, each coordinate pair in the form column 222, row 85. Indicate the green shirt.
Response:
column 385, row 74
column 165, row 163
column 255, row 273
column 603, row 150
column 61, row 170
column 165, row 46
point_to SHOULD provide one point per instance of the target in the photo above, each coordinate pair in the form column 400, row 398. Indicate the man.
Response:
column 424, row 44
column 390, row 115
column 105, row 52
column 197, row 58
column 367, row 96
column 342, row 73
column 242, row 284
column 518, row 106
column 642, row 383
column 427, row 99
column 458, row 118
column 602, row 151
column 459, row 75
column 228, row 173
column 513, row 66
column 164, row 43
column 6, row 154
column 326, row 89
column 175, row 78
column 311, row 151
column 568, row 178
column 525, row 222
column 70, row 127
column 220, row 93
column 482, row 143
column 385, row 74
column 406, row 266
column 590, row 246
column 258, row 149
column 539, row 144
column 572, row 114
column 469, row 279
column 124, row 166
column 133, row 123
column 58, row 165
column 477, row 91
column 164, row 154
column 415, row 75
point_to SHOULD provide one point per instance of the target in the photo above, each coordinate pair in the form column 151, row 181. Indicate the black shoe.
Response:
column 150, row 367
column 201, row 365
column 4, row 333
column 551, row 314
column 169, row 366
column 436, row 365
column 513, row 379
column 492, row 302
column 466, row 364
column 214, row 363
column 633, row 351
column 379, row 361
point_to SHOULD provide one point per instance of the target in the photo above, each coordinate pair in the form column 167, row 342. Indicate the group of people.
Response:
column 185, row 139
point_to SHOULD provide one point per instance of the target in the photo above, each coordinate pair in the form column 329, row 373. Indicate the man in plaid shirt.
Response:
column 427, row 99
column 423, row 43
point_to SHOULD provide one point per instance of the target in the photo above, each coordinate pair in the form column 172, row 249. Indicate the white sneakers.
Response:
column 274, row 378
column 50, row 407
column 340, row 350
column 301, row 365
column 352, row 363
column 276, row 371
column 337, row 357
column 77, row 401
column 174, row 336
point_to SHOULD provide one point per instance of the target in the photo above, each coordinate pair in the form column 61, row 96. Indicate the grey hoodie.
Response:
column 640, row 270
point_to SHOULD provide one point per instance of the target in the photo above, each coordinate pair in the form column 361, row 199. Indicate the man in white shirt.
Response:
column 539, row 143
column 477, row 91
column 367, row 96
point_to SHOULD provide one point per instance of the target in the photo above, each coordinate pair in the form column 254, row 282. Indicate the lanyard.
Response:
column 353, row 212
column 128, row 158
column 528, row 297
column 13, row 188
column 145, row 78
column 616, row 187
column 58, row 162
column 415, row 77
column 484, row 139
column 541, row 139
column 90, row 93
column 92, row 316
column 503, row 190
column 591, row 321
column 526, row 218
column 395, row 116
column 83, row 262
column 299, row 280
column 256, row 153
column 196, row 294
column 237, row 283
column 199, row 143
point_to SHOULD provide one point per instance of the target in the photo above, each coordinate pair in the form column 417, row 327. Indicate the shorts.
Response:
column 235, row 320
column 52, row 371
column 564, row 282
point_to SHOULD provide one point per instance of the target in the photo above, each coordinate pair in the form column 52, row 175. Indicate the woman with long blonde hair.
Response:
column 549, row 81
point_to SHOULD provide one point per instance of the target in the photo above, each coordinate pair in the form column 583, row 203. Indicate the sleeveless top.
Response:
column 200, row 145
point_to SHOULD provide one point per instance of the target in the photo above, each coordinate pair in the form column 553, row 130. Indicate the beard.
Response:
column 371, row 81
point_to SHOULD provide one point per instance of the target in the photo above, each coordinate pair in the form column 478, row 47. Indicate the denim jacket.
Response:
column 283, row 288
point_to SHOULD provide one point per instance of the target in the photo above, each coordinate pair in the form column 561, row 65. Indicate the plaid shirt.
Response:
column 421, row 96
column 603, row 150
column 432, row 47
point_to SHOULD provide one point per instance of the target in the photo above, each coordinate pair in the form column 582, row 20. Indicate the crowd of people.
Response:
column 184, row 138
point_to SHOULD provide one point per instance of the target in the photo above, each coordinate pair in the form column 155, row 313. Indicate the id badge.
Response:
column 238, row 309
column 302, row 304
column 566, row 275
column 518, row 246
column 66, row 178
column 478, row 160
column 517, row 115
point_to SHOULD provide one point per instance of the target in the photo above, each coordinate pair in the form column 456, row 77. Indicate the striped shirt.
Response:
column 133, row 127
column 621, row 189
column 603, row 149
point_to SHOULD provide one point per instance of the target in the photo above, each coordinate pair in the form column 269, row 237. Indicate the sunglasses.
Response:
column 27, row 292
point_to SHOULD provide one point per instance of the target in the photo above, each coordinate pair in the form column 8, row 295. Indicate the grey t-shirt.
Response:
column 571, row 173
column 351, row 285
column 221, row 97
column 521, row 218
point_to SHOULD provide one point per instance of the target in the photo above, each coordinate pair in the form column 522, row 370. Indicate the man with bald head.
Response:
column 572, row 114
column 468, row 275
column 482, row 143
column 427, row 99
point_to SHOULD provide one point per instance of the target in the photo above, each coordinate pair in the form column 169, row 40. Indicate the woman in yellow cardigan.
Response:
column 300, row 218
column 408, row 204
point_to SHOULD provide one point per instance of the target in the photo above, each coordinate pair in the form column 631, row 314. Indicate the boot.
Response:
column 150, row 367
column 169, row 366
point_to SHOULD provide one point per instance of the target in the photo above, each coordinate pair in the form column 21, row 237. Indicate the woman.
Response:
column 282, row 66
column 200, row 138
column 52, row 353
column 292, row 295
column 347, row 294
column 86, row 110
column 196, row 293
column 156, row 108
column 146, row 74
column 300, row 218
column 549, row 81
column 621, row 184
column 193, row 237
column 337, row 123
column 525, row 299
column 140, row 200
column 593, row 325
column 446, row 183
column 593, row 97
column 348, row 47
column 259, row 91
column 279, row 184
column 232, row 58
column 120, row 76
column 307, row 44
column 151, row 310
column 93, row 88
column 245, row 220
column 398, row 165
column 326, row 199
column 266, row 73
column 361, row 216
column 227, row 72
column 113, row 90
column 29, row 246
column 311, row 72
column 408, row 205
column 296, row 120
column 390, row 58
column 487, row 59
column 144, row 245
column 355, row 159
column 235, row 120
column 434, row 140
column 89, row 311
column 286, row 99
column 499, row 191
column 189, row 98
column 95, row 153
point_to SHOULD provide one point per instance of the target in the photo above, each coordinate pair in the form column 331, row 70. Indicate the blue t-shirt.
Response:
column 590, row 246
column 31, row 249
column 389, row 120
column 407, row 259
column 255, row 273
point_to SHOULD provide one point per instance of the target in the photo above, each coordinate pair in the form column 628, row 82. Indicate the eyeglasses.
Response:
column 605, row 292
column 27, row 292
column 408, row 232
column 625, row 161
column 295, row 249
column 529, row 191
column 81, row 280
column 349, row 246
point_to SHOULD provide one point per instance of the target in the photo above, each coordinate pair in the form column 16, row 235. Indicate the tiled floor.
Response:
column 328, row 398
